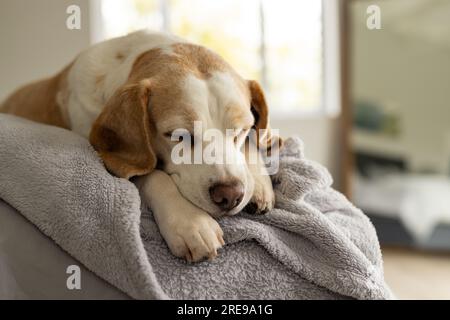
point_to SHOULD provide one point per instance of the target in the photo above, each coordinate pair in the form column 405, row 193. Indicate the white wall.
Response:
column 321, row 136
column 34, row 40
column 411, row 74
column 36, row 43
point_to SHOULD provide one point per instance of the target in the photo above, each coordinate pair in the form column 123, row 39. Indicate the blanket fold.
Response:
column 314, row 245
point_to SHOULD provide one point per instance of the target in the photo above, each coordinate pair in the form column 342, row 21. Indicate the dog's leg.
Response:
column 189, row 231
column 263, row 198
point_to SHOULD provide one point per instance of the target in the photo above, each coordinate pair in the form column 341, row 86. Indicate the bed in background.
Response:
column 406, row 208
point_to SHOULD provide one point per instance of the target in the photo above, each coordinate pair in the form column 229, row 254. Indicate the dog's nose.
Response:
column 227, row 195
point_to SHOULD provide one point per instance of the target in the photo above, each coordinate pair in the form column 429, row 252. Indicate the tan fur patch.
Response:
column 38, row 101
column 199, row 60
column 99, row 80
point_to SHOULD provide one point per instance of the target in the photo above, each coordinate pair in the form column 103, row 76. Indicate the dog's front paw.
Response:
column 263, row 198
column 194, row 236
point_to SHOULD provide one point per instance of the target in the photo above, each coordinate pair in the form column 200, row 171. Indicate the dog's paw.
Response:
column 263, row 198
column 195, row 236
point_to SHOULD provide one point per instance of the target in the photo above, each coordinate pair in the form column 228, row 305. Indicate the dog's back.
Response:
column 37, row 101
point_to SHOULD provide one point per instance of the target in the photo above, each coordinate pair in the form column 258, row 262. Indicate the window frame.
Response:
column 331, row 86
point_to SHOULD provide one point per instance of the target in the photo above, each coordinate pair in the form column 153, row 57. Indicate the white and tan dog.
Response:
column 127, row 95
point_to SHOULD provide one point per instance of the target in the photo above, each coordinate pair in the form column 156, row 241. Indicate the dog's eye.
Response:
column 179, row 137
column 168, row 134
column 176, row 136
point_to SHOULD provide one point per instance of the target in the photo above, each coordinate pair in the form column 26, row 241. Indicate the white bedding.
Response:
column 33, row 267
column 420, row 202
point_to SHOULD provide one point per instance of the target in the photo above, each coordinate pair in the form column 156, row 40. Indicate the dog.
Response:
column 128, row 95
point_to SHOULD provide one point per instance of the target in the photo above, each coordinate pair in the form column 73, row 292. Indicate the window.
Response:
column 277, row 42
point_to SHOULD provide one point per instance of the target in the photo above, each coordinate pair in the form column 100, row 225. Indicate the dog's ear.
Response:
column 265, row 139
column 121, row 133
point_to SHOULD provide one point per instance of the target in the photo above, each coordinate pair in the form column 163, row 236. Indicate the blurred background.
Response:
column 400, row 138
column 372, row 105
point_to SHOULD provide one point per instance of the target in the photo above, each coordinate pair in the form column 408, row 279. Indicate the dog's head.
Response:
column 180, row 87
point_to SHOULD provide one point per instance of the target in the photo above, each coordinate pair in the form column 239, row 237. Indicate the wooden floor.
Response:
column 417, row 274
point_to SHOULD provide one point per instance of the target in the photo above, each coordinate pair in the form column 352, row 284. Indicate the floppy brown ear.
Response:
column 260, row 110
column 121, row 133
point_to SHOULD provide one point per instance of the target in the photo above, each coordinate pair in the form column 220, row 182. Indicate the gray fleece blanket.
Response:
column 314, row 245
